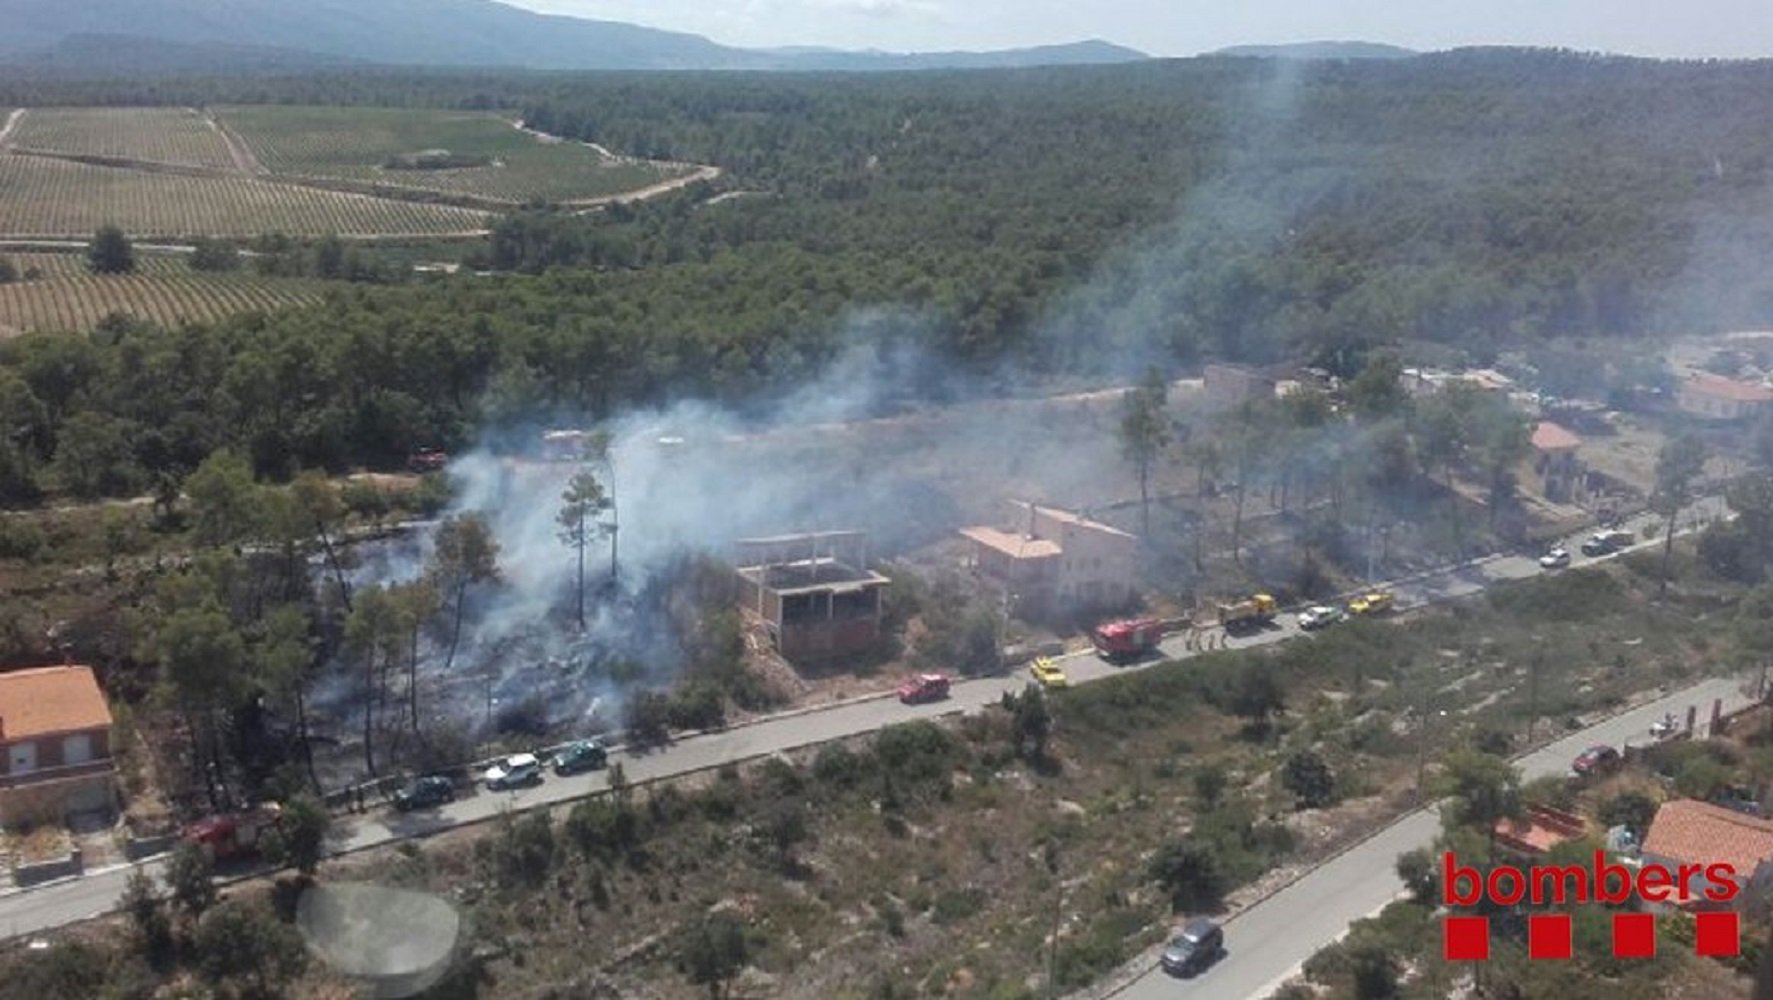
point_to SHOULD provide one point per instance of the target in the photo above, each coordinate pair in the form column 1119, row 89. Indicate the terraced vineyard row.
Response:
column 44, row 197
column 165, row 135
column 355, row 143
column 71, row 299
column 55, row 265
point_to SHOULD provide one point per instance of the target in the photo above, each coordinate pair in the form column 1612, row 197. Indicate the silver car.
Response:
column 514, row 771
column 1557, row 558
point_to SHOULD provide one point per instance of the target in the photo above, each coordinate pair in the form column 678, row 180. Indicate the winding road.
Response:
column 1267, row 942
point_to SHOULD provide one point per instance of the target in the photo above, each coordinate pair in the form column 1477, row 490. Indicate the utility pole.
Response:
column 1533, row 667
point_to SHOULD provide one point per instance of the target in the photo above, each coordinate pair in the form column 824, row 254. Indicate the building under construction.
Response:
column 814, row 592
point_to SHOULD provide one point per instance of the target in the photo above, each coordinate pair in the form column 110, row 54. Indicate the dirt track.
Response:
column 247, row 163
column 12, row 120
column 245, row 160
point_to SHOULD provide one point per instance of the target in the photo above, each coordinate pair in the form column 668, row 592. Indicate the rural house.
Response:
column 1056, row 562
column 1555, row 466
column 1715, row 397
column 1690, row 832
column 55, row 745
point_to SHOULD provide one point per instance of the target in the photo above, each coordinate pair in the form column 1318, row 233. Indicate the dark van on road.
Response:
column 1200, row 944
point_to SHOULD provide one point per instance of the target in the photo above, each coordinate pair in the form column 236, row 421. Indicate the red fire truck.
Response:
column 1127, row 639
column 234, row 835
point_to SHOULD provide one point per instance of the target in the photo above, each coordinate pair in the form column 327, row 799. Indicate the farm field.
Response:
column 163, row 290
column 163, row 135
column 46, row 197
column 354, row 143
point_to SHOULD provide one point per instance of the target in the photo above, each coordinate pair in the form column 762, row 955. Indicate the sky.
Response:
column 1694, row 29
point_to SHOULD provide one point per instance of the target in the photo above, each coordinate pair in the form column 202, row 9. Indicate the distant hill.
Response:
column 113, row 35
column 1320, row 50
column 1092, row 52
column 128, row 55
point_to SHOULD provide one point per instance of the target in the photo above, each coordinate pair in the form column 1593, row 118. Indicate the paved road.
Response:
column 1269, row 942
column 54, row 905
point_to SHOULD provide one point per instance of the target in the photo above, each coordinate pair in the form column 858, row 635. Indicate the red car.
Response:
column 924, row 687
column 1596, row 760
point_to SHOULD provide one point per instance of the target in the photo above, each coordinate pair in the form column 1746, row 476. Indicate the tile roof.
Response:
column 1687, row 830
column 1552, row 437
column 43, row 701
column 1014, row 546
column 1729, row 388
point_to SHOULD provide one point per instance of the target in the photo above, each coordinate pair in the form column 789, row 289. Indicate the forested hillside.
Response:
column 1066, row 221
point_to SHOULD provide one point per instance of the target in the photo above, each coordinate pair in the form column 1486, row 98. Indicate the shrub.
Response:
column 957, row 905
column 837, row 766
column 1309, row 779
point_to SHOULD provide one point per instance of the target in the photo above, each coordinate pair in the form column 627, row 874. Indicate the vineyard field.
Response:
column 163, row 135
column 355, row 143
column 163, row 291
column 46, row 197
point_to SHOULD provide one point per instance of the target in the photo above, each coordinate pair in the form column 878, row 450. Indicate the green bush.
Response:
column 917, row 753
column 956, row 905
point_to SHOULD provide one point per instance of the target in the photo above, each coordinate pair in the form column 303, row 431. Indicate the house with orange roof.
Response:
column 1690, row 832
column 1556, row 465
column 1715, row 397
column 55, row 745
column 1054, row 561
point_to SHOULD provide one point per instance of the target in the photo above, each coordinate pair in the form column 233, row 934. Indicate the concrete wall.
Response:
column 52, row 801
column 826, row 640
column 44, row 871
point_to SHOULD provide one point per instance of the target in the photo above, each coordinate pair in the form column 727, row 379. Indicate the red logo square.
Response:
column 1465, row 939
column 1634, row 935
column 1548, row 935
column 1718, row 935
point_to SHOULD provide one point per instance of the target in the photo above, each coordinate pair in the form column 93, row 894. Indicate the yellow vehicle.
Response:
column 1255, row 611
column 1048, row 673
column 1372, row 602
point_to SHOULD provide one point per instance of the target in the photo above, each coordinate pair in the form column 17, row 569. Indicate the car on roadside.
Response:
column 1598, row 759
column 924, row 688
column 427, row 792
column 1321, row 616
column 1048, row 673
column 1200, row 944
column 1605, row 543
column 583, row 755
column 514, row 771
column 1372, row 602
column 1557, row 558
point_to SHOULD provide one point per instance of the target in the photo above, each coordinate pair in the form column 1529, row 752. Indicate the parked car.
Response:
column 1605, row 543
column 1371, row 603
column 1596, row 760
column 425, row 793
column 924, row 687
column 1321, row 616
column 1557, row 558
column 1201, row 943
column 584, row 755
column 1049, row 673
column 514, row 771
